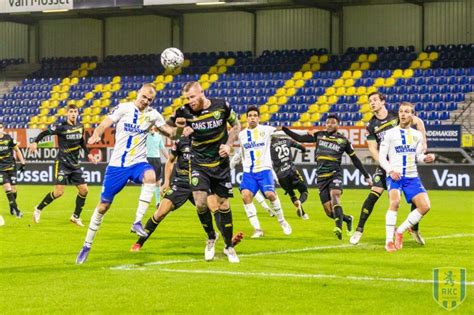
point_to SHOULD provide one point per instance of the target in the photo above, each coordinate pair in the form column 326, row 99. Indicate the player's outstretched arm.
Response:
column 298, row 137
column 168, row 171
column 34, row 145
column 373, row 149
column 224, row 150
column 236, row 159
column 99, row 130
column 173, row 132
column 420, row 126
column 297, row 146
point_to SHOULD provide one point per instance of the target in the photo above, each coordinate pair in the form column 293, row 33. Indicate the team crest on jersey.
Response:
column 60, row 178
column 377, row 179
column 216, row 114
column 340, row 141
column 169, row 192
column 449, row 287
column 194, row 181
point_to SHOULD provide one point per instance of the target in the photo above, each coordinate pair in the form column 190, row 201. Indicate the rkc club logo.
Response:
column 449, row 286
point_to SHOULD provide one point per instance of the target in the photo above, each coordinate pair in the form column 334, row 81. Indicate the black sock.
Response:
column 416, row 226
column 338, row 215
column 367, row 208
column 150, row 227
column 303, row 196
column 11, row 199
column 224, row 223
column 206, row 222
column 46, row 201
column 80, row 201
column 346, row 218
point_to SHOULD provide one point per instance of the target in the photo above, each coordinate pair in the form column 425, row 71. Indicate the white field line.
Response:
column 288, row 251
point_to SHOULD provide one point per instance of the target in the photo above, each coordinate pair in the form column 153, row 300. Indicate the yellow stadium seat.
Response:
column 56, row 89
column 323, row 59
column 433, row 55
column 366, row 117
column 308, row 75
column 415, row 64
column 339, row 92
column 95, row 119
column 221, row 61
column 349, row 83
column 379, row 82
column 61, row 112
column 243, row 117
column 167, row 111
column 44, row 104
column 364, row 66
column 389, row 82
column 289, row 83
column 425, row 64
column 298, row 75
column 299, row 84
column 84, row 66
column 282, row 100
column 87, row 111
column 186, row 63
column 330, row 91
column 64, row 88
column 213, row 77
column 53, row 104
column 313, row 59
column 205, row 85
column 159, row 86
column 212, row 69
column 205, row 77
column 272, row 100
column 365, row 108
column 74, row 81
column 92, row 66
column 307, row 124
column 42, row 126
column 315, row 117
column 80, row 103
column 116, row 87
column 466, row 140
column 305, row 67
column 360, row 123
column 116, row 79
column 371, row 89
column 105, row 103
column 333, row 99
column 280, row 92
column 397, row 73
column 230, row 62
column 83, row 73
column 168, row 79
column 297, row 124
column 159, row 78
column 350, row 91
column 304, row 117
column 43, row 119
column 273, row 108
column 177, row 102
column 323, row 99
column 323, row 108
column 314, row 108
column 372, row 58
column 106, row 95
column 315, row 67
column 63, row 96
column 96, row 103
column 86, row 118
column 34, row 126
column 34, row 119
column 357, row 74
column 66, row 81
column 51, row 120
column 362, row 58
column 222, row 69
column 361, row 90
column 75, row 73
column 355, row 66
column 422, row 56
column 264, row 117
column 107, row 88
column 98, row 87
column 263, row 109
column 407, row 73
column 71, row 102
column 338, row 83
column 290, row 92
column 346, row 75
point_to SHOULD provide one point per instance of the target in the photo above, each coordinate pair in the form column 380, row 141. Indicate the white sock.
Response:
column 145, row 198
column 276, row 207
column 94, row 225
column 413, row 218
column 252, row 215
column 390, row 222
column 261, row 200
column 157, row 195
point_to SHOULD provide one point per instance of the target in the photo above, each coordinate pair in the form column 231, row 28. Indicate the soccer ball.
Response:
column 172, row 58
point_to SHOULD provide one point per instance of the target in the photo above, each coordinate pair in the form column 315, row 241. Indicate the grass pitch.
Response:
column 307, row 272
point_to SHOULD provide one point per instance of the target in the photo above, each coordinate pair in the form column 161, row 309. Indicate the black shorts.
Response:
column 325, row 186
column 214, row 180
column 380, row 178
column 156, row 163
column 179, row 193
column 293, row 181
column 8, row 177
column 65, row 175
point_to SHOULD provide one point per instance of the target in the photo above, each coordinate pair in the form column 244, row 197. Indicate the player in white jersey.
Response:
column 128, row 162
column 257, row 163
column 399, row 151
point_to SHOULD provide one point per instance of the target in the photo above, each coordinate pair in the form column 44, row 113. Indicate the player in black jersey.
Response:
column 207, row 121
column 67, row 167
column 381, row 121
column 288, row 176
column 330, row 146
column 8, row 170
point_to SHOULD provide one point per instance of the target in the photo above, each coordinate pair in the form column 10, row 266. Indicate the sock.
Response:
column 80, row 201
column 94, row 225
column 144, row 200
column 46, row 201
column 224, row 223
column 303, row 196
column 367, row 208
column 252, row 215
column 390, row 222
column 346, row 218
column 157, row 195
column 150, row 227
column 261, row 200
column 415, row 227
column 11, row 207
column 413, row 218
column 11, row 199
column 206, row 221
column 276, row 207
column 338, row 215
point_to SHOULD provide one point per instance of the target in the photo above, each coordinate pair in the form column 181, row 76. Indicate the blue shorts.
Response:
column 116, row 178
column 411, row 186
column 254, row 182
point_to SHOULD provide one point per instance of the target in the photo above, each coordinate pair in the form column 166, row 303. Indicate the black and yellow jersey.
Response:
column 70, row 141
column 210, row 131
column 376, row 128
column 7, row 159
column 282, row 159
column 182, row 151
